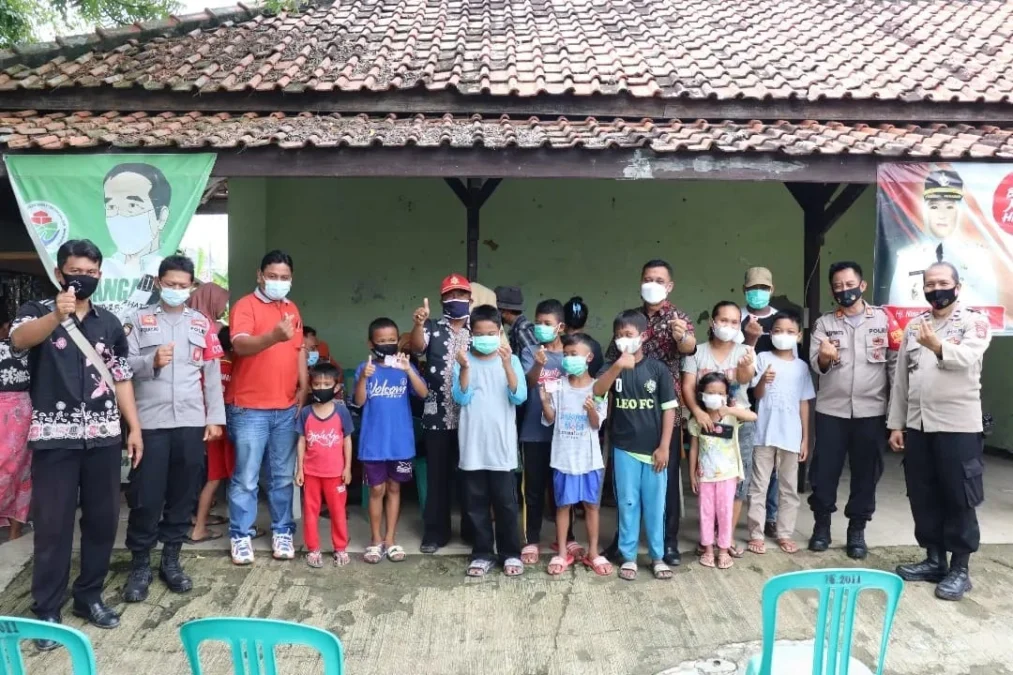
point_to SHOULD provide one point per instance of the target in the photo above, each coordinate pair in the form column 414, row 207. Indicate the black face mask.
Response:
column 383, row 351
column 848, row 297
column 322, row 395
column 941, row 298
column 83, row 285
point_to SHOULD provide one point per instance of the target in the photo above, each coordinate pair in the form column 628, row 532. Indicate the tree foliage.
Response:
column 32, row 20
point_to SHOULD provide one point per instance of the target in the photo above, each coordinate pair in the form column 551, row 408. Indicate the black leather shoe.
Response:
column 171, row 572
column 820, row 541
column 955, row 585
column 933, row 568
column 672, row 557
column 429, row 548
column 770, row 530
column 97, row 614
column 611, row 553
column 856, row 548
column 136, row 588
column 47, row 645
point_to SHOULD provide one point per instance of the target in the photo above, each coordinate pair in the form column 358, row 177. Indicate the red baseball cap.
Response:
column 455, row 282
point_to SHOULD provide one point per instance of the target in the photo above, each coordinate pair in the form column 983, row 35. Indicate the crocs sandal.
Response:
column 661, row 570
column 559, row 564
column 513, row 567
column 724, row 560
column 601, row 565
column 314, row 559
column 374, row 554
column 396, row 554
column 788, row 546
column 529, row 554
column 479, row 568
column 341, row 559
column 757, row 546
column 628, row 571
column 707, row 558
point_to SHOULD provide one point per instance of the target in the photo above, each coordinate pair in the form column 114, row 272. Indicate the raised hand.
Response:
column 769, row 375
column 285, row 329
column 828, row 351
column 627, row 361
column 163, row 356
column 541, row 357
column 400, row 362
column 589, row 406
column 66, row 303
column 678, row 328
column 505, row 353
column 370, row 368
column 753, row 328
column 462, row 357
column 927, row 337
column 422, row 313
column 544, row 394
column 748, row 358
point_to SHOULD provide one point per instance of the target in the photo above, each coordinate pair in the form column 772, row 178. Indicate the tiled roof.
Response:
column 901, row 50
column 59, row 131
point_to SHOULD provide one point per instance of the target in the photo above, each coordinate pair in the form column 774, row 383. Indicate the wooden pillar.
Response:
column 473, row 193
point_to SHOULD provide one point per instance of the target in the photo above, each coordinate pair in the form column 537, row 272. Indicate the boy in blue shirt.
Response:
column 489, row 385
column 387, row 438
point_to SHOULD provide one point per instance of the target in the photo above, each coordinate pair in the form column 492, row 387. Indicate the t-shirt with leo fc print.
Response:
column 325, row 440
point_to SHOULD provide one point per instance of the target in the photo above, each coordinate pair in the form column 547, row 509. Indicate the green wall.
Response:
column 368, row 247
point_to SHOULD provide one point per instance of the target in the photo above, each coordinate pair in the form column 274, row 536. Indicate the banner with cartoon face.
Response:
column 957, row 213
column 135, row 208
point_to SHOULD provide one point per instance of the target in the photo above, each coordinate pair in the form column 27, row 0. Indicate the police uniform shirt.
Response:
column 973, row 263
column 188, row 391
column 641, row 396
column 941, row 394
column 857, row 384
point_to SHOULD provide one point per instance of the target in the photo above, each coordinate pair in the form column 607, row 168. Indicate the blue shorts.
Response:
column 570, row 489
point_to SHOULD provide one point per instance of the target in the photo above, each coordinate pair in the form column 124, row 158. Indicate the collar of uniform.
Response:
column 161, row 310
column 266, row 300
column 839, row 313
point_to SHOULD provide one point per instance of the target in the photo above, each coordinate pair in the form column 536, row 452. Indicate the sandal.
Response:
column 216, row 520
column 529, row 554
column 661, row 570
column 559, row 564
column 601, row 566
column 724, row 560
column 314, row 559
column 573, row 549
column 757, row 546
column 628, row 571
column 396, row 554
column 707, row 559
column 479, row 567
column 735, row 552
column 341, row 559
column 374, row 554
column 210, row 536
column 513, row 567
column 788, row 546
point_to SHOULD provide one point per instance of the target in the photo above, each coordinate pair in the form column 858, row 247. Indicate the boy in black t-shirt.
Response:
column 645, row 408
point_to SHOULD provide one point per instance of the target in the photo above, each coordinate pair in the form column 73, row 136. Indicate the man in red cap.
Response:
column 439, row 343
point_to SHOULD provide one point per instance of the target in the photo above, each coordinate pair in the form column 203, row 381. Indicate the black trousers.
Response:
column 862, row 441
column 944, row 475
column 442, row 456
column 495, row 490
column 673, row 507
column 164, row 487
column 59, row 477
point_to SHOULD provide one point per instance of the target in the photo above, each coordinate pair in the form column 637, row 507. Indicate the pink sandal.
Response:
column 601, row 566
column 529, row 554
column 559, row 564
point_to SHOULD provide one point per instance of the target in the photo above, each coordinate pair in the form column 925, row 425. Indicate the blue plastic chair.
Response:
column 14, row 629
column 253, row 641
column 838, row 592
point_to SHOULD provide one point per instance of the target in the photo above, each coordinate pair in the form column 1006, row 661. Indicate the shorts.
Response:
column 221, row 459
column 378, row 473
column 747, row 431
column 574, row 489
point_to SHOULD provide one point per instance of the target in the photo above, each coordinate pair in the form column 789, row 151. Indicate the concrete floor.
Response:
column 424, row 616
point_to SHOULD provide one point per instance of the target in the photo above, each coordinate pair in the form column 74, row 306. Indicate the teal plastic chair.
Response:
column 838, row 591
column 253, row 641
column 15, row 629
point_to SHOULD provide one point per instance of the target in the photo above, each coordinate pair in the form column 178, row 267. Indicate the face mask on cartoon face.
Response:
column 322, row 395
column 713, row 401
column 574, row 365
column 545, row 334
column 276, row 290
column 941, row 298
column 725, row 333
column 758, row 298
column 783, row 341
column 312, row 358
column 628, row 345
column 485, row 344
column 131, row 234
column 174, row 297
column 652, row 292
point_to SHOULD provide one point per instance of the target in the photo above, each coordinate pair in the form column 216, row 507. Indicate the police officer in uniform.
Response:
column 935, row 418
column 854, row 354
column 177, row 377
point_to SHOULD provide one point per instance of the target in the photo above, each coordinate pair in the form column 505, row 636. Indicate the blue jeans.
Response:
column 254, row 434
column 772, row 498
column 639, row 489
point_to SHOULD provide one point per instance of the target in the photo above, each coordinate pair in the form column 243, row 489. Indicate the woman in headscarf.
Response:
column 211, row 300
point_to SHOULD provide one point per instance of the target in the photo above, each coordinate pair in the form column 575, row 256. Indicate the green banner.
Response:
column 134, row 207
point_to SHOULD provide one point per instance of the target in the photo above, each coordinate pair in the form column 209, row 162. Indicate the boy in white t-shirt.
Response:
column 576, row 459
column 783, row 389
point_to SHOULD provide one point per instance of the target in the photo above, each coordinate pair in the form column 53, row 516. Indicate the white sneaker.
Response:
column 242, row 551
column 283, row 547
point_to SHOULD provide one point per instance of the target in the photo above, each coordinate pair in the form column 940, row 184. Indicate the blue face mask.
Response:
column 485, row 344
column 456, row 310
column 545, row 334
column 758, row 298
column 174, row 297
column 312, row 358
column 276, row 290
column 574, row 365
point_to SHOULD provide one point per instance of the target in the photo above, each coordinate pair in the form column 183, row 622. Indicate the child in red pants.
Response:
column 324, row 464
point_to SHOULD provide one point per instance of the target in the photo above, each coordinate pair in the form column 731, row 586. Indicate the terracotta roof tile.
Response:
column 905, row 50
column 193, row 130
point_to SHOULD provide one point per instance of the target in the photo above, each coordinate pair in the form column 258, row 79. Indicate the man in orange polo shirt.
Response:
column 269, row 378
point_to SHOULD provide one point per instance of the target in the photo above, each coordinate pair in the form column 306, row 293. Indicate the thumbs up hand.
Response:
column 829, row 351
column 422, row 313
column 66, row 302
column 370, row 368
column 541, row 358
column 769, row 375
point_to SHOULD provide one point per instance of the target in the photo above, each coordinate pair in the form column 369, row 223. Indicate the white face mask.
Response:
column 783, row 341
column 725, row 333
column 713, row 401
column 653, row 293
column 276, row 290
column 628, row 345
column 131, row 234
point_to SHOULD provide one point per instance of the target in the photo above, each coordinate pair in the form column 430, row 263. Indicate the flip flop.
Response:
column 210, row 536
column 757, row 546
column 724, row 560
column 601, row 565
column 217, row 520
column 788, row 546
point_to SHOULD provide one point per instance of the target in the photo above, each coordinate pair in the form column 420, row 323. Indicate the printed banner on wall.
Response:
column 957, row 213
column 134, row 207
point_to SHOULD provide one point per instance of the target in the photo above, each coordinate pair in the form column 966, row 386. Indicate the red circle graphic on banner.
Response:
column 1002, row 204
